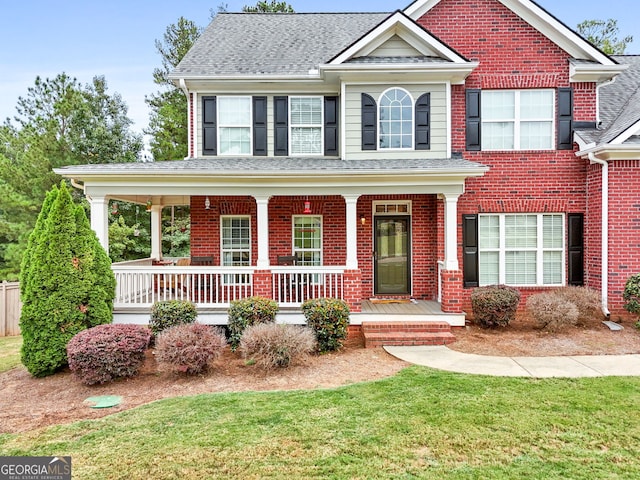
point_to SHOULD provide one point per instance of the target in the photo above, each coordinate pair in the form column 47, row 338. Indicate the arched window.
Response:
column 396, row 119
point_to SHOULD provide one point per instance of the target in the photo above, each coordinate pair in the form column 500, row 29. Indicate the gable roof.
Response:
column 278, row 44
column 540, row 19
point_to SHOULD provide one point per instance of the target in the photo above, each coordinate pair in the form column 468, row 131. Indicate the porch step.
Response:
column 378, row 334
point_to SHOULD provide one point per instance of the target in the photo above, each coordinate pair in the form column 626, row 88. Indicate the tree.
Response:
column 66, row 286
column 168, row 118
column 269, row 7
column 604, row 35
column 59, row 122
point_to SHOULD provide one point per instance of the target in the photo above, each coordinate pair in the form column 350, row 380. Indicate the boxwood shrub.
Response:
column 631, row 294
column 494, row 305
column 329, row 319
column 169, row 313
column 246, row 312
column 107, row 352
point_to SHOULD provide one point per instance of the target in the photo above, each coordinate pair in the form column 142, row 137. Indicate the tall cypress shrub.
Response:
column 67, row 288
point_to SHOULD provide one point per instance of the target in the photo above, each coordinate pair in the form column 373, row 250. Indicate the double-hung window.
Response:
column 307, row 240
column 521, row 249
column 306, row 121
column 234, row 125
column 396, row 119
column 517, row 119
column 235, row 235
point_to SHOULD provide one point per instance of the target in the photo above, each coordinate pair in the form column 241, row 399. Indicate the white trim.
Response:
column 262, row 227
column 629, row 132
column 379, row 121
column 538, row 18
column 100, row 219
column 386, row 203
column 449, row 114
column 351, row 219
column 343, row 120
column 451, row 232
column 397, row 24
column 193, row 110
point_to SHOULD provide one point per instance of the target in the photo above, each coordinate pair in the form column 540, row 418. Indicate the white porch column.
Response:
column 156, row 232
column 451, row 232
column 100, row 220
column 262, row 219
column 352, row 231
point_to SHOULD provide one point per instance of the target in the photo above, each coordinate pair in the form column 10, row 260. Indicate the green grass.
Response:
column 9, row 352
column 419, row 424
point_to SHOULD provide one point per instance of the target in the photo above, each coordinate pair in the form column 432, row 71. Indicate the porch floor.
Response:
column 414, row 310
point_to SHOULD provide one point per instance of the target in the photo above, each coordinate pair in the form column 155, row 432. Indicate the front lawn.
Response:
column 419, row 424
column 9, row 352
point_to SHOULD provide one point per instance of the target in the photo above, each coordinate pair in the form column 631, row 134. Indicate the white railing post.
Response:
column 351, row 202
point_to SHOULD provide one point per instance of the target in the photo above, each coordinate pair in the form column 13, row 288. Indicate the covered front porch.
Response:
column 396, row 218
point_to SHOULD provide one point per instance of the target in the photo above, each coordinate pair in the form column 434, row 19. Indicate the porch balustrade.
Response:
column 140, row 283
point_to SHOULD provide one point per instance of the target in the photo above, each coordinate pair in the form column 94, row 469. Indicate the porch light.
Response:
column 363, row 220
column 149, row 205
column 307, row 207
column 207, row 203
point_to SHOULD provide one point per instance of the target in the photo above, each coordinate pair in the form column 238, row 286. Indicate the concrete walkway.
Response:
column 443, row 358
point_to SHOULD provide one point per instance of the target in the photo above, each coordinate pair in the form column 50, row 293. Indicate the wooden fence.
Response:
column 9, row 309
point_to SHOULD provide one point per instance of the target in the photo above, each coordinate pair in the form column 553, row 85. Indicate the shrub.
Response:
column 106, row 352
column 494, row 305
column 552, row 311
column 631, row 294
column 329, row 319
column 190, row 348
column 169, row 313
column 67, row 284
column 276, row 346
column 246, row 312
column 586, row 300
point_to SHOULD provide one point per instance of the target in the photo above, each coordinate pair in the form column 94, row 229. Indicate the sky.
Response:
column 115, row 38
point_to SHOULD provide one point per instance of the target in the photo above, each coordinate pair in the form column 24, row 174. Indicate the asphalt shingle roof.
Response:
column 246, row 44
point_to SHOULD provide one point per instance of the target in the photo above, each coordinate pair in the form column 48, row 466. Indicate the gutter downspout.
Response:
column 605, row 232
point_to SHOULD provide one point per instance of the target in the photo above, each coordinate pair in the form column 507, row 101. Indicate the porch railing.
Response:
column 142, row 286
column 294, row 285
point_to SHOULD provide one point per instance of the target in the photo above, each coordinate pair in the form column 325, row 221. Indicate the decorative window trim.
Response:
column 411, row 119
column 239, row 279
column 220, row 125
column 320, row 125
column 518, row 121
column 539, row 249
column 400, row 207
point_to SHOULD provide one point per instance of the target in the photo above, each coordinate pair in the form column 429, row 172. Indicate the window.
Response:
column 306, row 125
column 517, row 119
column 234, row 125
column 236, row 245
column 396, row 119
column 521, row 249
column 307, row 240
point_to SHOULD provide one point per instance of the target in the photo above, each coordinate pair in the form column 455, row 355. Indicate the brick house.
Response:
column 406, row 155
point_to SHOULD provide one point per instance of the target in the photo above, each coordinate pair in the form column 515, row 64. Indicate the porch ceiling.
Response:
column 272, row 176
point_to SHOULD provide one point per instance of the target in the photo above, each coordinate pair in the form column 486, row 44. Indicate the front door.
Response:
column 392, row 271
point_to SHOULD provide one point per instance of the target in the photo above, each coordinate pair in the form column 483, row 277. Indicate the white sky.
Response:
column 115, row 38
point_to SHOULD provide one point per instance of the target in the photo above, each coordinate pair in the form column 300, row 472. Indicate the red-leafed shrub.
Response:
column 271, row 345
column 190, row 348
column 107, row 352
column 494, row 305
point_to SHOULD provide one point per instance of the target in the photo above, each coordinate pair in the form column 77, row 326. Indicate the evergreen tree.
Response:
column 67, row 285
column 273, row 6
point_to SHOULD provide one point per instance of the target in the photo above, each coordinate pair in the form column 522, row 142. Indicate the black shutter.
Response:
column 260, row 126
column 281, row 126
column 423, row 118
column 209, row 130
column 473, row 120
column 369, row 123
column 576, row 249
column 470, row 250
column 565, row 119
column 331, row 126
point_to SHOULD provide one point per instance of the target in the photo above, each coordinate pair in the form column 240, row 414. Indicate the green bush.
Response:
column 494, row 305
column 631, row 294
column 552, row 311
column 329, row 320
column 66, row 283
column 190, row 348
column 169, row 313
column 246, row 312
column 277, row 346
column 104, row 353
